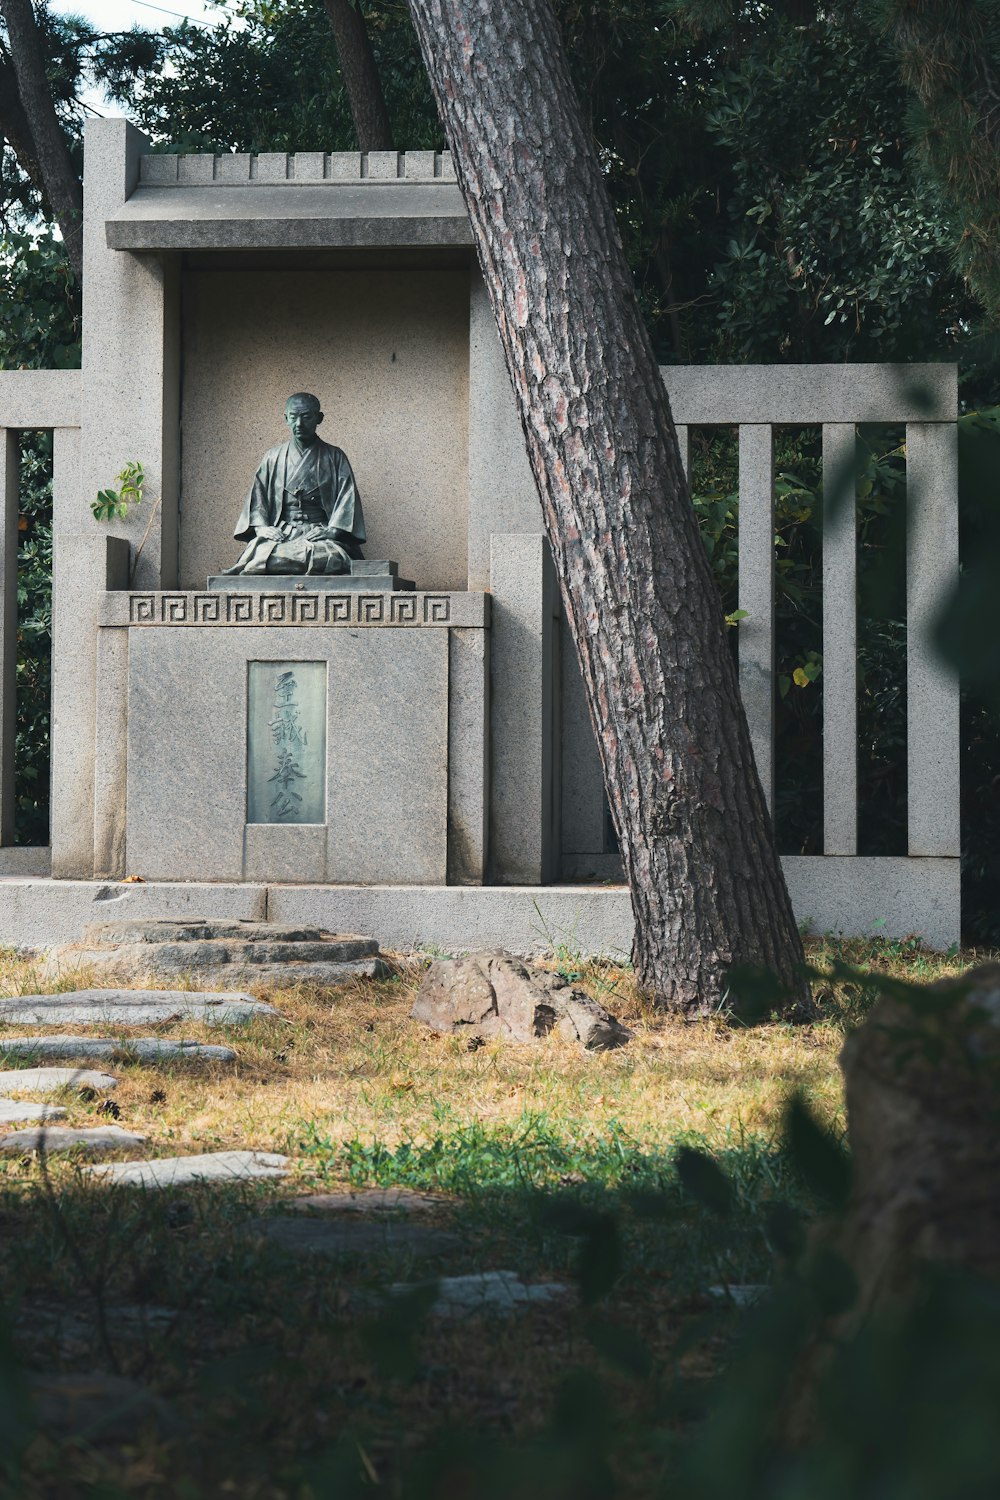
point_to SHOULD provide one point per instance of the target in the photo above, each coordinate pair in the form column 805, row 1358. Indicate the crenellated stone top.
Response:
column 242, row 169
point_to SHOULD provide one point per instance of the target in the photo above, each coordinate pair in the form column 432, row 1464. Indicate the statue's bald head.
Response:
column 303, row 401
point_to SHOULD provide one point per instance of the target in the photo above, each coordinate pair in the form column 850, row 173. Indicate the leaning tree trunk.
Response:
column 360, row 74
column 60, row 181
column 707, row 888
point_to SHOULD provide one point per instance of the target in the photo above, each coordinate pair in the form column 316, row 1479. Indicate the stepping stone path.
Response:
column 220, row 952
column 498, row 1292
column 178, row 1171
column 131, row 1008
column 19, row 1111
column 92, row 1142
column 139, row 1049
column 47, row 1080
column 305, row 1236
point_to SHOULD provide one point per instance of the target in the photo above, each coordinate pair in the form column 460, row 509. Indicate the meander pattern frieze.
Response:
column 294, row 608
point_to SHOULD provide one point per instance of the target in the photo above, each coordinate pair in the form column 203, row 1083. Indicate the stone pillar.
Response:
column 523, row 690
column 129, row 410
column 503, row 497
column 468, row 755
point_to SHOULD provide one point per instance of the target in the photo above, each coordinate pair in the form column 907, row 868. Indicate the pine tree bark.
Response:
column 14, row 124
column 707, row 888
column 60, row 182
column 360, row 74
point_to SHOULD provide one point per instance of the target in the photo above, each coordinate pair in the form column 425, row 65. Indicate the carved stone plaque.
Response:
column 286, row 742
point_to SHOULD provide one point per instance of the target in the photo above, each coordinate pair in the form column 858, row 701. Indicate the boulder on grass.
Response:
column 494, row 995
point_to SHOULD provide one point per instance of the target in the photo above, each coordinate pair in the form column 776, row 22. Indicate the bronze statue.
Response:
column 303, row 513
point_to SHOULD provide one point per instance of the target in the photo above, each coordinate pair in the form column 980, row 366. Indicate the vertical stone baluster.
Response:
column 756, row 594
column 932, row 702
column 840, row 642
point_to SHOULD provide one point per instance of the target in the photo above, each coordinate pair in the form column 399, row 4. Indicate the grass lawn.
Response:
column 286, row 1375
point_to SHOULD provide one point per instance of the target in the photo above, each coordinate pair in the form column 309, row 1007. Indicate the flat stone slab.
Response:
column 178, row 1171
column 366, row 1201
column 339, row 583
column 131, row 1008
column 284, row 976
column 214, row 952
column 127, row 931
column 47, row 1080
column 18, row 1111
column 98, row 1408
column 141, row 1048
column 91, row 1142
column 305, row 1236
column 500, row 1293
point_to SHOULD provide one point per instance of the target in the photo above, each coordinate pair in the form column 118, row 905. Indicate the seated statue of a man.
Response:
column 303, row 513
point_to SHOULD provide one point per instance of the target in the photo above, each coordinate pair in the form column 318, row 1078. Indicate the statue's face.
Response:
column 303, row 420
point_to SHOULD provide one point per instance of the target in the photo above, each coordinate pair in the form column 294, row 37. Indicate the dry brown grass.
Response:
column 350, row 1061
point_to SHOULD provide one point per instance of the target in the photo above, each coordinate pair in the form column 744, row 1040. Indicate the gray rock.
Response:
column 305, row 1236
column 91, row 1142
column 366, row 1201
column 495, row 995
column 14, row 1112
column 178, row 1171
column 131, row 1008
column 98, row 1408
column 499, row 1293
column 47, row 1080
column 141, row 1048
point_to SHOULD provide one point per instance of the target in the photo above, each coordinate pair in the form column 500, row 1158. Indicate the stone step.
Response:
column 21, row 1112
column 211, row 954
column 307, row 1236
column 488, row 1293
column 116, row 1007
column 368, row 1201
column 94, row 1141
column 283, row 976
column 137, row 930
column 48, row 1080
column 178, row 1171
column 140, row 1048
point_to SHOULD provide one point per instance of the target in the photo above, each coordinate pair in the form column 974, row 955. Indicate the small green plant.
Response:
column 111, row 503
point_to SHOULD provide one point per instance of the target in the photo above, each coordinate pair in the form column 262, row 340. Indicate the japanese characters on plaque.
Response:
column 286, row 742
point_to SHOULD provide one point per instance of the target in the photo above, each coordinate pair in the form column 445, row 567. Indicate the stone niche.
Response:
column 385, row 350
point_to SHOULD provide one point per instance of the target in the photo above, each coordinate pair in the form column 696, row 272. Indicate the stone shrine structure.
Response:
column 436, row 736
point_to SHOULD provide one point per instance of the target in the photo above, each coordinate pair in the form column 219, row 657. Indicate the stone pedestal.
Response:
column 367, row 576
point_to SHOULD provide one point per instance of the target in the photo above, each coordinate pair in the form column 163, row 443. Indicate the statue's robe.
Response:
column 297, row 491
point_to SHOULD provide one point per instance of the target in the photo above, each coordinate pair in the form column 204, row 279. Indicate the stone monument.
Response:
column 303, row 514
